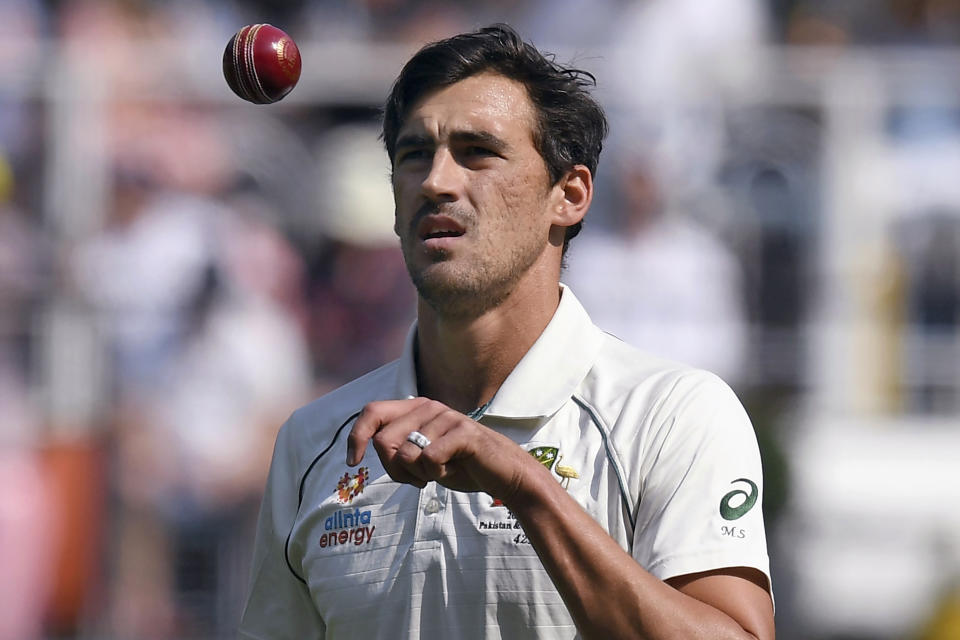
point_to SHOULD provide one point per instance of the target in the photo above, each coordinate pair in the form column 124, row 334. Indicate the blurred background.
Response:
column 779, row 202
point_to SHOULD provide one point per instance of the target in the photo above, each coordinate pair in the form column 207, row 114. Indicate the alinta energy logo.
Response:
column 350, row 487
column 347, row 527
column 737, row 503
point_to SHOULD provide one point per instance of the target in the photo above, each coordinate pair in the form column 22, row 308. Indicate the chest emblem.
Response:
column 550, row 457
column 350, row 487
column 545, row 455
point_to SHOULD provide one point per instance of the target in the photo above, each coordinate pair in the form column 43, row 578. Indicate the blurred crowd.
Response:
column 160, row 320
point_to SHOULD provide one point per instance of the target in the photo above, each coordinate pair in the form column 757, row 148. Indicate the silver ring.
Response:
column 418, row 439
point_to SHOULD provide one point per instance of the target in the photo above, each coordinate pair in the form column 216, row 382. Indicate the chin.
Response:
column 454, row 295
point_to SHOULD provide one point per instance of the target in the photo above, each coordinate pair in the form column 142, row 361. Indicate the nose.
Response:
column 444, row 180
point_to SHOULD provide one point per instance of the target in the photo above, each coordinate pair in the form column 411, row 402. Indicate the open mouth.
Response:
column 434, row 227
column 443, row 234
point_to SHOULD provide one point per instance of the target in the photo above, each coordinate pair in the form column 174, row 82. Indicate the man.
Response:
column 530, row 476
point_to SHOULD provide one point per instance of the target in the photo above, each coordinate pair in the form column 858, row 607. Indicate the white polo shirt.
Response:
column 661, row 455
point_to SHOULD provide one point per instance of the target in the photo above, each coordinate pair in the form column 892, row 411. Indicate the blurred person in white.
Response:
column 243, row 369
column 140, row 270
column 660, row 280
column 672, row 63
column 242, row 364
column 549, row 481
column 194, row 451
column 199, row 299
column 138, row 274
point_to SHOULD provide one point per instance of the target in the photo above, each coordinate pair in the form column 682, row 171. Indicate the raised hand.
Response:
column 462, row 454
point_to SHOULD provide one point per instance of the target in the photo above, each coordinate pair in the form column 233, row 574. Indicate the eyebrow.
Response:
column 481, row 137
column 417, row 140
column 413, row 140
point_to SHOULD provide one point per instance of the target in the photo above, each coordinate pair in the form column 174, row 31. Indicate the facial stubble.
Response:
column 471, row 288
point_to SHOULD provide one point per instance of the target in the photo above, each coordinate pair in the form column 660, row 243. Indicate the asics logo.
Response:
column 738, row 502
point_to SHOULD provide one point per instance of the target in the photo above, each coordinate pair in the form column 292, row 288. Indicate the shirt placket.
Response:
column 431, row 512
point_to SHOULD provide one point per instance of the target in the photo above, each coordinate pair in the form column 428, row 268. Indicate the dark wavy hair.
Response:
column 571, row 124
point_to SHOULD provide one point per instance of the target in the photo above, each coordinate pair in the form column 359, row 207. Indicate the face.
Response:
column 472, row 194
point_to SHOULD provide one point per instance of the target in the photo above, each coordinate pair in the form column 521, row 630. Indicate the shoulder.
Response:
column 629, row 385
column 313, row 427
column 622, row 370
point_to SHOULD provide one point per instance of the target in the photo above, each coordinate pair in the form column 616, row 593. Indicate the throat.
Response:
column 461, row 382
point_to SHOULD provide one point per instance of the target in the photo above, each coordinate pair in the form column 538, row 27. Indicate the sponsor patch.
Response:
column 350, row 487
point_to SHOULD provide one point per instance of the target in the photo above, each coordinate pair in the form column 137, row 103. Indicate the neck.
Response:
column 463, row 361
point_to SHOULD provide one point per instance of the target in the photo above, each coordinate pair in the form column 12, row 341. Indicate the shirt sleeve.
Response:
column 700, row 505
column 279, row 606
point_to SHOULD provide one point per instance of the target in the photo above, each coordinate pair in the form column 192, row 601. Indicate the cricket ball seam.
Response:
column 239, row 41
column 255, row 85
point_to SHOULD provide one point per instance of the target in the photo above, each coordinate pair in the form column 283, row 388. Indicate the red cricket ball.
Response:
column 261, row 63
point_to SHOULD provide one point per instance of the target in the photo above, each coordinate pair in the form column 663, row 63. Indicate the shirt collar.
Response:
column 407, row 369
column 545, row 377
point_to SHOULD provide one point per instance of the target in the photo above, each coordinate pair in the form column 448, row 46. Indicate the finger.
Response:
column 471, row 453
column 372, row 419
column 441, row 431
column 399, row 473
column 391, row 430
column 391, row 441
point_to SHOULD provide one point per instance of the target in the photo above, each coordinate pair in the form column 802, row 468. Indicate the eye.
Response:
column 481, row 152
column 408, row 155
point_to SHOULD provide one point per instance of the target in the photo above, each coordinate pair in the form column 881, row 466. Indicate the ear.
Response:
column 572, row 196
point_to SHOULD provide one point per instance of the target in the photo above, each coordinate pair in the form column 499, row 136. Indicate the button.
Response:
column 432, row 506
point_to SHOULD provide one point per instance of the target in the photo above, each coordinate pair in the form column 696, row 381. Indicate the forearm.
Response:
column 606, row 591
